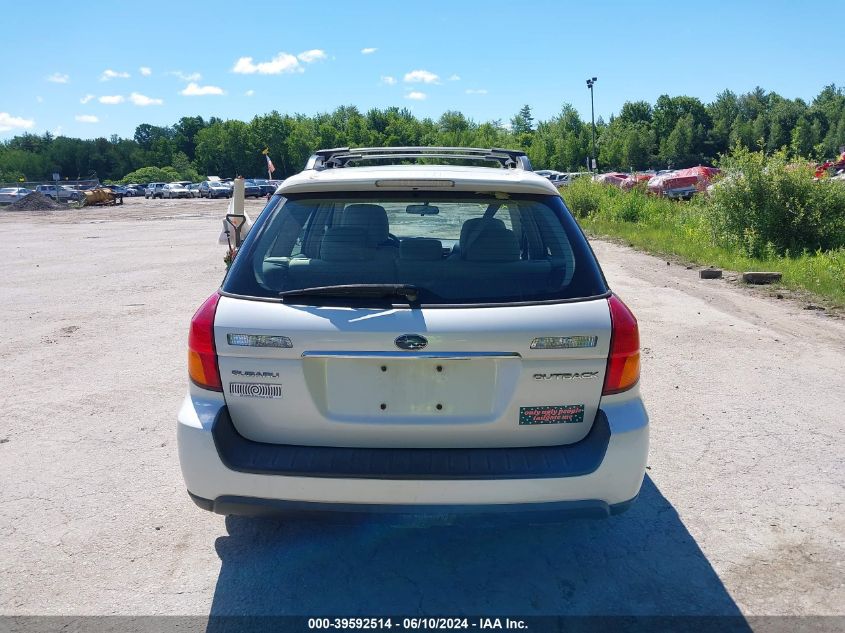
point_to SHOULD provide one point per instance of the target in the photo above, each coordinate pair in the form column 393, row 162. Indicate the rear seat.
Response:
column 363, row 237
column 421, row 262
column 346, row 257
column 490, row 255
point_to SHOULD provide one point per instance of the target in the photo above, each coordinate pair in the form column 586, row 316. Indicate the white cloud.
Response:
column 9, row 122
column 111, row 99
column 142, row 100
column 421, row 76
column 249, row 93
column 146, row 71
column 476, row 91
column 388, row 80
column 281, row 63
column 416, row 95
column 314, row 55
column 86, row 99
column 57, row 131
column 113, row 74
column 185, row 76
column 195, row 90
column 368, row 51
column 454, row 77
column 87, row 118
column 58, row 78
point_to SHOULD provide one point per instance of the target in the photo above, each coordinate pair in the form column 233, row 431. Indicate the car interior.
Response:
column 524, row 250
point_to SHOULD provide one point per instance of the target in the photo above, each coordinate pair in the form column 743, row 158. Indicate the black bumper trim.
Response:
column 525, row 512
column 537, row 462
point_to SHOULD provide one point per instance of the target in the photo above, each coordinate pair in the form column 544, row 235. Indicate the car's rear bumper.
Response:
column 228, row 474
column 257, row 506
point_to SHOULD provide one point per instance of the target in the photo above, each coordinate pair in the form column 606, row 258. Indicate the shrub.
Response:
column 766, row 205
column 583, row 197
column 151, row 174
column 589, row 199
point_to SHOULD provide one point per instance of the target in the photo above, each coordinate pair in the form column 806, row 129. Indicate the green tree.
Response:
column 636, row 112
column 185, row 132
column 184, row 167
column 679, row 150
column 803, row 142
column 523, row 121
column 723, row 112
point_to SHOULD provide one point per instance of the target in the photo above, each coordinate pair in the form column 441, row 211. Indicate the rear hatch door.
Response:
column 352, row 376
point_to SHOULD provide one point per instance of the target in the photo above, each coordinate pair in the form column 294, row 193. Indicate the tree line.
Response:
column 674, row 132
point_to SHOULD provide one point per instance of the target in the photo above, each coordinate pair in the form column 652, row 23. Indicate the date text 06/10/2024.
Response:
column 416, row 624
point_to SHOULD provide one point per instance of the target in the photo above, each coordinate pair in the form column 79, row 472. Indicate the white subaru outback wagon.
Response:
column 399, row 336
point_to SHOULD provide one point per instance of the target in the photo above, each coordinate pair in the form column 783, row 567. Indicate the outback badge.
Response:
column 411, row 342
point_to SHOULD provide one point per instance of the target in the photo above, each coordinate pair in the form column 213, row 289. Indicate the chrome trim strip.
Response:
column 426, row 355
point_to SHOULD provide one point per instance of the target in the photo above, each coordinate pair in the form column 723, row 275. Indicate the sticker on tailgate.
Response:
column 553, row 414
column 255, row 390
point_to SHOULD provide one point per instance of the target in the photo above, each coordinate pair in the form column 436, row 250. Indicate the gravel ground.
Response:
column 741, row 510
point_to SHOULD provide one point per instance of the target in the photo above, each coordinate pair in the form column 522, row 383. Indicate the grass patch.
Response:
column 821, row 274
column 692, row 231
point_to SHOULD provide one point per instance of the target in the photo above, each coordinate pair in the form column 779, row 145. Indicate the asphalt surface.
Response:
column 741, row 511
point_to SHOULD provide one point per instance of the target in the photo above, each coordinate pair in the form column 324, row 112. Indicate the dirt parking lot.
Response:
column 741, row 511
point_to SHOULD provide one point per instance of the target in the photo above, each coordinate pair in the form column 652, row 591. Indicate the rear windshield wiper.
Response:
column 369, row 291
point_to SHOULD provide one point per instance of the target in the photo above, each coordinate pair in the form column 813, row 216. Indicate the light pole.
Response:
column 590, row 84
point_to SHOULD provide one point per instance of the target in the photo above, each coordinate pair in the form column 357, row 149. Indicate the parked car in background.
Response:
column 61, row 193
column 251, row 190
column 135, row 189
column 119, row 190
column 175, row 190
column 264, row 186
column 614, row 178
column 682, row 183
column 673, row 186
column 636, row 179
column 154, row 190
column 8, row 195
column 214, row 189
column 194, row 188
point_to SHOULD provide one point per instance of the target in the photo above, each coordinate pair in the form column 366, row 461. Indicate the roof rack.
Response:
column 342, row 156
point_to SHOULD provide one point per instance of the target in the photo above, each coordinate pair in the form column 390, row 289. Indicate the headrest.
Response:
column 345, row 244
column 495, row 243
column 471, row 226
column 370, row 217
column 421, row 249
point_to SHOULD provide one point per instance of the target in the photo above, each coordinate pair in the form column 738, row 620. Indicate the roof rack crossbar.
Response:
column 341, row 156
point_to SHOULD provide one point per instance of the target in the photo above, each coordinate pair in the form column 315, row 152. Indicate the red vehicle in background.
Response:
column 614, row 178
column 635, row 179
column 682, row 184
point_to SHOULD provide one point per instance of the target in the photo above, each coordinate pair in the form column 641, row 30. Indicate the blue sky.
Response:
column 66, row 71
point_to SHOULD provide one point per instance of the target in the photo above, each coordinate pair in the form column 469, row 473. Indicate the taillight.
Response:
column 202, row 355
column 623, row 364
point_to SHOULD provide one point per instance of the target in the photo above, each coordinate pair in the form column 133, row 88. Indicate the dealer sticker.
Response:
column 554, row 414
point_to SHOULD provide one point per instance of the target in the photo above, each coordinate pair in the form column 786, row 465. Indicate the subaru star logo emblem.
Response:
column 411, row 342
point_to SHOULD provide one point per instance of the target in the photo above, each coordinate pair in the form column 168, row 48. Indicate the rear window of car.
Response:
column 453, row 248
